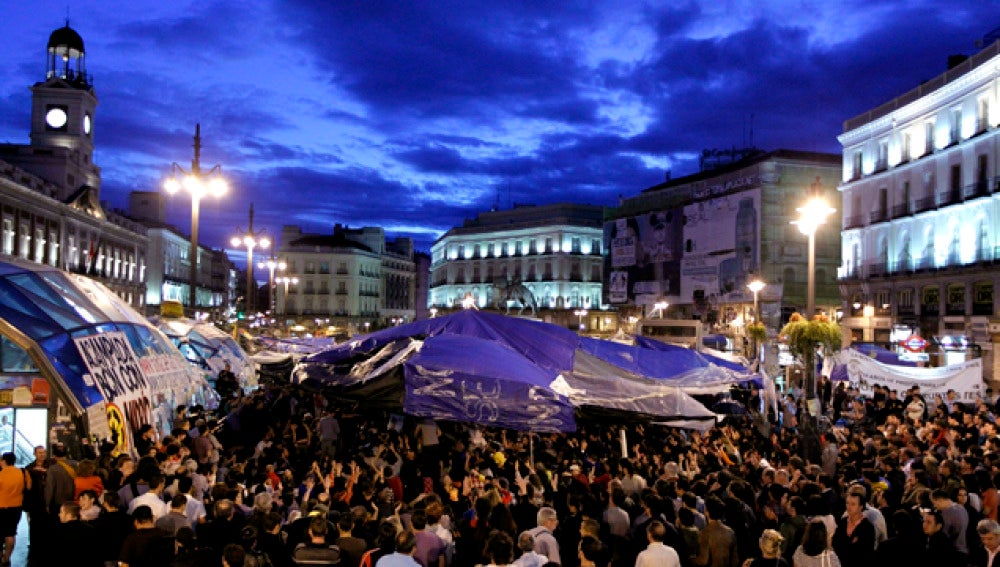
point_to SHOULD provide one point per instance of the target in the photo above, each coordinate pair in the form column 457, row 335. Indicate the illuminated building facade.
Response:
column 921, row 209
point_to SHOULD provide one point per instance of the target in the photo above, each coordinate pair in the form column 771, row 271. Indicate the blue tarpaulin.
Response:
column 516, row 373
column 880, row 354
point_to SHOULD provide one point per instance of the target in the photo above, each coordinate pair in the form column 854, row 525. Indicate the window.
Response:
column 856, row 167
column 882, row 161
column 324, row 267
column 8, row 236
column 983, row 115
column 982, row 174
column 928, row 138
column 955, row 133
column 575, row 244
column 310, row 267
column 955, row 182
column 905, row 149
column 39, row 245
column 905, row 299
column 595, row 246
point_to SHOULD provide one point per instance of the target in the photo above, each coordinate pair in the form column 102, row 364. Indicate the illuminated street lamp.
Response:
column 661, row 307
column 250, row 240
column 286, row 280
column 271, row 264
column 755, row 286
column 434, row 312
column 198, row 184
column 580, row 314
column 811, row 217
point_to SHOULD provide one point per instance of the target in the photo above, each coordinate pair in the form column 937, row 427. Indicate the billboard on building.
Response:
column 721, row 239
column 644, row 256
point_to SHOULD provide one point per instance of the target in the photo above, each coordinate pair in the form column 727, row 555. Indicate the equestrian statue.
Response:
column 508, row 291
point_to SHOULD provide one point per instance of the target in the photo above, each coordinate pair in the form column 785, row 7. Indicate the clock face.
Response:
column 55, row 118
column 86, row 124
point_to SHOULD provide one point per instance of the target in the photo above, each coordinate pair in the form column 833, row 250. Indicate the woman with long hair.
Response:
column 814, row 550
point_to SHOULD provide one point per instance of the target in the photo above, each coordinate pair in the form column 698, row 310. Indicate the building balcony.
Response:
column 950, row 197
column 901, row 210
column 878, row 216
column 344, row 272
column 854, row 221
column 341, row 292
column 924, row 204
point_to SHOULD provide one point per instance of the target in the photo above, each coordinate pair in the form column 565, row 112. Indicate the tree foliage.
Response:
column 803, row 336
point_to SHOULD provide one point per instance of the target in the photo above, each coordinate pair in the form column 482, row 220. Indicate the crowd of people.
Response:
column 285, row 477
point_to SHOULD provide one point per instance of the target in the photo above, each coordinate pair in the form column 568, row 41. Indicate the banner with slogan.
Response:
column 117, row 374
column 169, row 381
column 865, row 373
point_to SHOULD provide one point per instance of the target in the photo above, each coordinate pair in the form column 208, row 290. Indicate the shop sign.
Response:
column 914, row 343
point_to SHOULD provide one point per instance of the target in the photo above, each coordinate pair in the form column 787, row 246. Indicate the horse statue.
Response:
column 513, row 291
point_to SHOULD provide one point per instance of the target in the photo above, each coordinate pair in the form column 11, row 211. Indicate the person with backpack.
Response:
column 60, row 482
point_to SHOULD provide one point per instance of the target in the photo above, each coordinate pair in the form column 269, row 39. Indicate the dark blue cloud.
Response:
column 416, row 115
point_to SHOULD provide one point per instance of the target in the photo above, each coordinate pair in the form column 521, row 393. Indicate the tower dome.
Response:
column 65, row 42
column 66, row 56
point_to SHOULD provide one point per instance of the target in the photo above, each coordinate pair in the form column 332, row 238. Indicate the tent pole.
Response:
column 531, row 451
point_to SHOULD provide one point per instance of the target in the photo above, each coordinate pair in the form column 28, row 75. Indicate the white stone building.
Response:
column 554, row 250
column 921, row 209
column 50, row 189
column 351, row 277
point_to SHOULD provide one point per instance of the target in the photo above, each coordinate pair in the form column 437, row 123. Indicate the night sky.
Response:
column 416, row 116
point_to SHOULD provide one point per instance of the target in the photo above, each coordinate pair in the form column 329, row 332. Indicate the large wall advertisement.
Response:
column 721, row 249
column 644, row 257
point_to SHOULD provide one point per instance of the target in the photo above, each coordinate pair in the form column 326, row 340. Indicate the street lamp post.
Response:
column 197, row 183
column 811, row 216
column 434, row 312
column 755, row 286
column 580, row 314
column 660, row 306
column 286, row 280
column 250, row 240
column 271, row 264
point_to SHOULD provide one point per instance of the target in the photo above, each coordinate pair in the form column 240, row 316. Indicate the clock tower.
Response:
column 62, row 115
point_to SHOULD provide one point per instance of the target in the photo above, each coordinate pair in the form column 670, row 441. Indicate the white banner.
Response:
column 119, row 377
column 865, row 373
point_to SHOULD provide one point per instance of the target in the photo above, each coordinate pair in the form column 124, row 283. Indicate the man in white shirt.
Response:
column 657, row 554
column 152, row 498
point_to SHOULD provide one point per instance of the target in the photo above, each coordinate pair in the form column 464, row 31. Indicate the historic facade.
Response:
column 695, row 242
column 50, row 188
column 552, row 250
column 354, row 277
column 169, row 276
column 921, row 210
